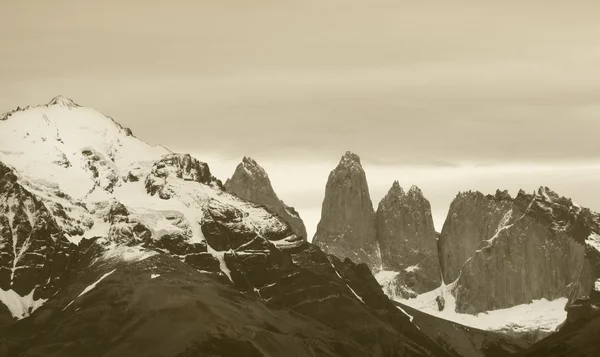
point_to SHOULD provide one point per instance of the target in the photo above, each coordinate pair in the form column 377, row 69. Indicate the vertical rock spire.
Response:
column 407, row 238
column 251, row 182
column 347, row 225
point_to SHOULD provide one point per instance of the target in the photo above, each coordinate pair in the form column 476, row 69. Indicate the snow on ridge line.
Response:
column 125, row 253
column 20, row 306
column 90, row 287
column 593, row 241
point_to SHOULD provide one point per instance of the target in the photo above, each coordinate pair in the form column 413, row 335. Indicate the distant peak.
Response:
column 415, row 190
column 396, row 189
column 249, row 161
column 63, row 102
column 250, row 166
column 350, row 158
column 547, row 193
column 503, row 195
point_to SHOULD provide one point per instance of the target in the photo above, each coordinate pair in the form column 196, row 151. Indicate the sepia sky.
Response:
column 446, row 95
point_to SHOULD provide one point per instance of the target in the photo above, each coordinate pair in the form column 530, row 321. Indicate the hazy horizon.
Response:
column 449, row 97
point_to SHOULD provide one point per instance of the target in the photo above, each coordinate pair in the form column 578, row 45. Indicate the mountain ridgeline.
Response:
column 495, row 250
column 110, row 246
column 398, row 237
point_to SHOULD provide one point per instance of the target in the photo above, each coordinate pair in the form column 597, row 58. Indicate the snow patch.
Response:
column 406, row 313
column 388, row 282
column 597, row 285
column 593, row 241
column 154, row 276
column 125, row 253
column 20, row 306
column 92, row 286
column 539, row 315
column 355, row 294
column 221, row 258
column 412, row 268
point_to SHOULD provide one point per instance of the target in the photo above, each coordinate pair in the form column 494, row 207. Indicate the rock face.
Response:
column 407, row 238
column 347, row 226
column 113, row 270
column 529, row 248
column 35, row 256
column 251, row 183
column 472, row 217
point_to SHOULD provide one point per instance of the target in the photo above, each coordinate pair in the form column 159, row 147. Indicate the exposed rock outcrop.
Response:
column 407, row 238
column 472, row 217
column 536, row 250
column 35, row 256
column 347, row 226
column 251, row 183
column 178, row 166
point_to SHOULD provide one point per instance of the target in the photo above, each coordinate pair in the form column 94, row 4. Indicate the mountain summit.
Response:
column 347, row 225
column 108, row 246
column 63, row 102
column 407, row 241
column 251, row 182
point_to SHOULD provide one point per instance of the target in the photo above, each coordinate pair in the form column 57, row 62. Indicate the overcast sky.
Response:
column 446, row 95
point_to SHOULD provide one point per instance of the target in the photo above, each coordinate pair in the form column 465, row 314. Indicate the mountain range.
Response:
column 110, row 246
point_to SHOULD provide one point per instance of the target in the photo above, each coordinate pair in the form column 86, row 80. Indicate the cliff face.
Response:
column 347, row 225
column 537, row 250
column 407, row 239
column 251, row 183
column 472, row 218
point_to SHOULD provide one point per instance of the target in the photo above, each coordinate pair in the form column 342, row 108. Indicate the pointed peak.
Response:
column 502, row 194
column 547, row 194
column 415, row 190
column 63, row 102
column 251, row 167
column 350, row 156
column 247, row 160
column 396, row 189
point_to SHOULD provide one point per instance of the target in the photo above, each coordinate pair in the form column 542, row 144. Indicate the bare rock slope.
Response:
column 251, row 183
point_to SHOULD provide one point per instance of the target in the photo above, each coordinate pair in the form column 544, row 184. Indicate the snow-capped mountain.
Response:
column 108, row 245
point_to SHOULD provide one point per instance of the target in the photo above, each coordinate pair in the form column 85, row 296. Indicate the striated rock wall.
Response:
column 347, row 226
column 251, row 183
column 407, row 238
column 472, row 217
column 537, row 251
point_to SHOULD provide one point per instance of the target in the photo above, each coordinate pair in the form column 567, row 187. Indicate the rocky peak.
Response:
column 179, row 166
column 472, row 218
column 503, row 245
column 63, row 102
column 350, row 158
column 347, row 225
column 503, row 195
column 407, row 240
column 395, row 191
column 415, row 192
column 251, row 182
